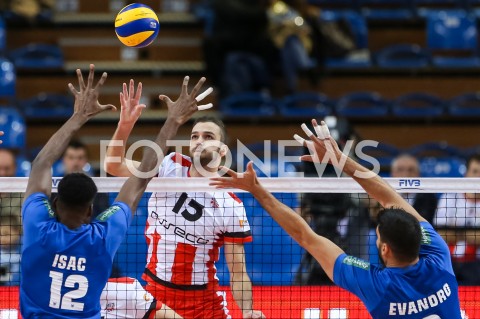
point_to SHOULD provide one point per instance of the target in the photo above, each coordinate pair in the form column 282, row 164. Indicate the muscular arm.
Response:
column 41, row 175
column 377, row 188
column 135, row 186
column 239, row 281
column 322, row 249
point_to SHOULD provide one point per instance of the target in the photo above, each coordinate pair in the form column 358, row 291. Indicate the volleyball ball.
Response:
column 136, row 25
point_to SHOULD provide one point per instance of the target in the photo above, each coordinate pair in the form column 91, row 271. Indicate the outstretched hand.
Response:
column 247, row 181
column 131, row 109
column 86, row 100
column 323, row 148
column 186, row 105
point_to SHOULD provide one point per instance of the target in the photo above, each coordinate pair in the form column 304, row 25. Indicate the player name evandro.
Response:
column 412, row 307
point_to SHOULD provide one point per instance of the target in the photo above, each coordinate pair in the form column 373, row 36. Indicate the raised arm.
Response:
column 324, row 149
column 86, row 106
column 179, row 112
column 322, row 249
column 115, row 162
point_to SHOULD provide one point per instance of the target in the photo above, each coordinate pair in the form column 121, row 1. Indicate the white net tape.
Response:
column 276, row 185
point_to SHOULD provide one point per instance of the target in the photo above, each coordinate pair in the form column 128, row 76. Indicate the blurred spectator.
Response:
column 10, row 232
column 10, row 203
column 240, row 26
column 75, row 160
column 30, row 10
column 305, row 40
column 407, row 166
column 458, row 220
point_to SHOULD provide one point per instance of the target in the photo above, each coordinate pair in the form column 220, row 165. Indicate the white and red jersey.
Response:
column 185, row 231
column 125, row 298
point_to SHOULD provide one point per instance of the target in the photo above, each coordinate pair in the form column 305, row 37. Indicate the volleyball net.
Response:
column 287, row 281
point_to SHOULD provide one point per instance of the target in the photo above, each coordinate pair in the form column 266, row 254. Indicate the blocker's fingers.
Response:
column 326, row 131
column 72, row 89
column 198, row 86
column 204, row 107
column 306, row 130
column 300, row 139
column 229, row 171
column 318, row 130
column 203, row 95
column 102, row 80
column 91, row 75
column 138, row 95
column 185, row 85
column 81, row 83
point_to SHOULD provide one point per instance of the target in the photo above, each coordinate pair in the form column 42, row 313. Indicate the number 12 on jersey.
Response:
column 66, row 302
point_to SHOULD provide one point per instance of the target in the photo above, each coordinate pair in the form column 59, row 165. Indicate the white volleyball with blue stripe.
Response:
column 137, row 25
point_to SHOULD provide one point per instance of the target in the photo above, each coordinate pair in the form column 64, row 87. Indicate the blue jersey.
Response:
column 64, row 271
column 427, row 289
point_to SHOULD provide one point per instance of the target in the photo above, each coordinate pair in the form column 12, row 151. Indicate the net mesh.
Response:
column 176, row 231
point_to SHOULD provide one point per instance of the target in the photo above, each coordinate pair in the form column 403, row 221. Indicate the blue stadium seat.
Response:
column 13, row 125
column 418, row 105
column 387, row 9
column 358, row 25
column 437, row 149
column 38, row 56
column 249, row 104
column 8, row 79
column 45, row 106
column 453, row 32
column 465, row 105
column 362, row 104
column 305, row 105
column 466, row 153
column 401, row 56
column 442, row 167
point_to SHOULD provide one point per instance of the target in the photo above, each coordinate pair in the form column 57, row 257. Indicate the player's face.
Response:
column 405, row 167
column 205, row 142
column 74, row 160
column 473, row 169
column 7, row 164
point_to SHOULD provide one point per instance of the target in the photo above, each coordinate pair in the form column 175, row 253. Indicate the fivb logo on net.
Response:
column 270, row 163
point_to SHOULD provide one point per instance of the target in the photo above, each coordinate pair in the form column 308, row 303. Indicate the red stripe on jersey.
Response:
column 152, row 264
column 239, row 240
column 235, row 198
column 122, row 280
column 182, row 268
column 214, row 254
column 178, row 158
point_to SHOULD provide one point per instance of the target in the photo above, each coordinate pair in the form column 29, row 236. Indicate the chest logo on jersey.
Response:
column 197, row 207
column 177, row 230
column 69, row 262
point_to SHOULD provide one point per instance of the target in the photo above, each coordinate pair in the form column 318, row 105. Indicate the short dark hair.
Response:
column 401, row 232
column 473, row 158
column 76, row 190
column 76, row 144
column 216, row 121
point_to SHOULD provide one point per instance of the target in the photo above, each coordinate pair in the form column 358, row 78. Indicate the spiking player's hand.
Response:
column 131, row 109
column 323, row 148
column 186, row 105
column 86, row 100
column 247, row 181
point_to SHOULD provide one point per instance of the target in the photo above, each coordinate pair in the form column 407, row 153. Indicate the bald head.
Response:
column 405, row 166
